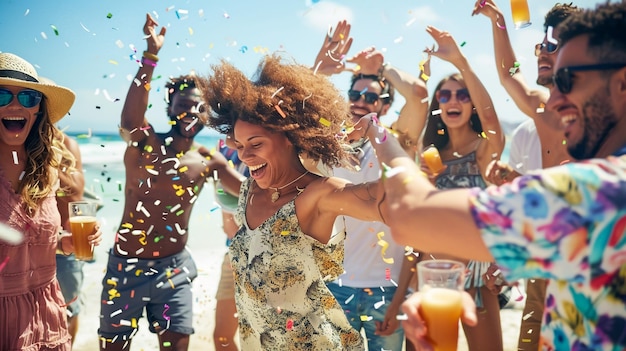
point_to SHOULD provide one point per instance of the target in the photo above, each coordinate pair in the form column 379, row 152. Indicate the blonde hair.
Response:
column 46, row 156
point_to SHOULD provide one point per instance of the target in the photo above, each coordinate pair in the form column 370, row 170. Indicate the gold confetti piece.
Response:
column 284, row 232
column 325, row 122
column 384, row 246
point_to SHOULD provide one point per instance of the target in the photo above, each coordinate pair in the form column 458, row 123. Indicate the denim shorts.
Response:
column 360, row 306
column 70, row 277
column 160, row 286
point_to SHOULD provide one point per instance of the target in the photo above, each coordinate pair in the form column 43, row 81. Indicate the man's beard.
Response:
column 598, row 119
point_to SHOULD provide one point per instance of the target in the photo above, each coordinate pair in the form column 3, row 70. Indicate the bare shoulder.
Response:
column 325, row 187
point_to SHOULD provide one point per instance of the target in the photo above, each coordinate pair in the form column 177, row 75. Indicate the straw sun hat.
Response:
column 16, row 71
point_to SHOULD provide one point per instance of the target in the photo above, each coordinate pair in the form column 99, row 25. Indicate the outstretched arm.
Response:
column 511, row 78
column 414, row 209
column 136, row 103
column 449, row 50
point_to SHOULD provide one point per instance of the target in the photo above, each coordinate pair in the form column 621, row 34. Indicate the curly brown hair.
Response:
column 606, row 27
column 46, row 155
column 285, row 98
column 557, row 14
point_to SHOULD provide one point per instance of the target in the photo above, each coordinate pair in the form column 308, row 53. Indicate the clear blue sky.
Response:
column 74, row 43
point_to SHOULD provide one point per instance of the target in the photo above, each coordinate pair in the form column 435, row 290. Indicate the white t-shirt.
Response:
column 525, row 152
column 364, row 266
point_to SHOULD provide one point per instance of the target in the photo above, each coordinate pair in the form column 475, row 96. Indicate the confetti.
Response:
column 384, row 244
column 54, row 28
column 15, row 159
column 109, row 15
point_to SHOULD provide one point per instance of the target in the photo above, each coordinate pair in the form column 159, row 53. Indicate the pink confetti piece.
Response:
column 4, row 263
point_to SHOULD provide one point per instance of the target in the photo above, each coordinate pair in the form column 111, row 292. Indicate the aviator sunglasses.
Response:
column 370, row 98
column 550, row 48
column 563, row 78
column 27, row 98
column 444, row 95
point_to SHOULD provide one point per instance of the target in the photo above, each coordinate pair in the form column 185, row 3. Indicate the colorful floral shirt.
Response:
column 280, row 291
column 567, row 224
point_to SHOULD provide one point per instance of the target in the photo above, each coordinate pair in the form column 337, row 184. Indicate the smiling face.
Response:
column 545, row 60
column 587, row 111
column 188, row 110
column 269, row 156
column 360, row 107
column 17, row 120
column 454, row 113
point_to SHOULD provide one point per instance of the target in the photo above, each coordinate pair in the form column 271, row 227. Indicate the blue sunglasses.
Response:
column 27, row 98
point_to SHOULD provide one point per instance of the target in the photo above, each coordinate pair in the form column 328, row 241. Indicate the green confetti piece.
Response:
column 167, row 344
column 516, row 64
column 109, row 15
column 462, row 44
column 54, row 28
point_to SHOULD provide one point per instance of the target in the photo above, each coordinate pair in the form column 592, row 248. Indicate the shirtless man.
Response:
column 149, row 266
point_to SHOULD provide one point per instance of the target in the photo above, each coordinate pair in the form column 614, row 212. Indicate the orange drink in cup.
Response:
column 521, row 14
column 441, row 283
column 82, row 223
column 433, row 159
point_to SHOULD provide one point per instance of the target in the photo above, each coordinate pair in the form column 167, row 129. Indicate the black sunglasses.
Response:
column 444, row 95
column 563, row 78
column 550, row 48
column 27, row 98
column 370, row 98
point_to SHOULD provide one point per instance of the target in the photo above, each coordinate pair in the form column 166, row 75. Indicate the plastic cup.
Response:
column 433, row 159
column 441, row 283
column 82, row 223
column 521, row 14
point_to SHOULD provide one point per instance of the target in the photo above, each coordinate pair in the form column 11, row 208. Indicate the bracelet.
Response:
column 147, row 61
column 150, row 56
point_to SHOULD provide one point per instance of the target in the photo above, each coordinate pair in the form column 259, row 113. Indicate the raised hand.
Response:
column 154, row 40
column 369, row 61
column 447, row 48
column 329, row 59
column 487, row 8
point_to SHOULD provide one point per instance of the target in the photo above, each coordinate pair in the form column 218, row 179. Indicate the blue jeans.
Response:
column 357, row 302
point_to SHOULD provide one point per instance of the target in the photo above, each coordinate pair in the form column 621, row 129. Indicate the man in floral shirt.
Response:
column 566, row 223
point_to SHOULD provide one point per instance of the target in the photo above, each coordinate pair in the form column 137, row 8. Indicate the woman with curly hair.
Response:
column 285, row 250
column 32, row 312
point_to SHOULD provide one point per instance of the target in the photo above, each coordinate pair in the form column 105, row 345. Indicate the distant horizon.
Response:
column 93, row 47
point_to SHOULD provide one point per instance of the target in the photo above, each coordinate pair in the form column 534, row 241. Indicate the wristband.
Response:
column 150, row 56
column 147, row 61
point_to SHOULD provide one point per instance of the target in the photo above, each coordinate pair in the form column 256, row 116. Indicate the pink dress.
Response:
column 32, row 315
